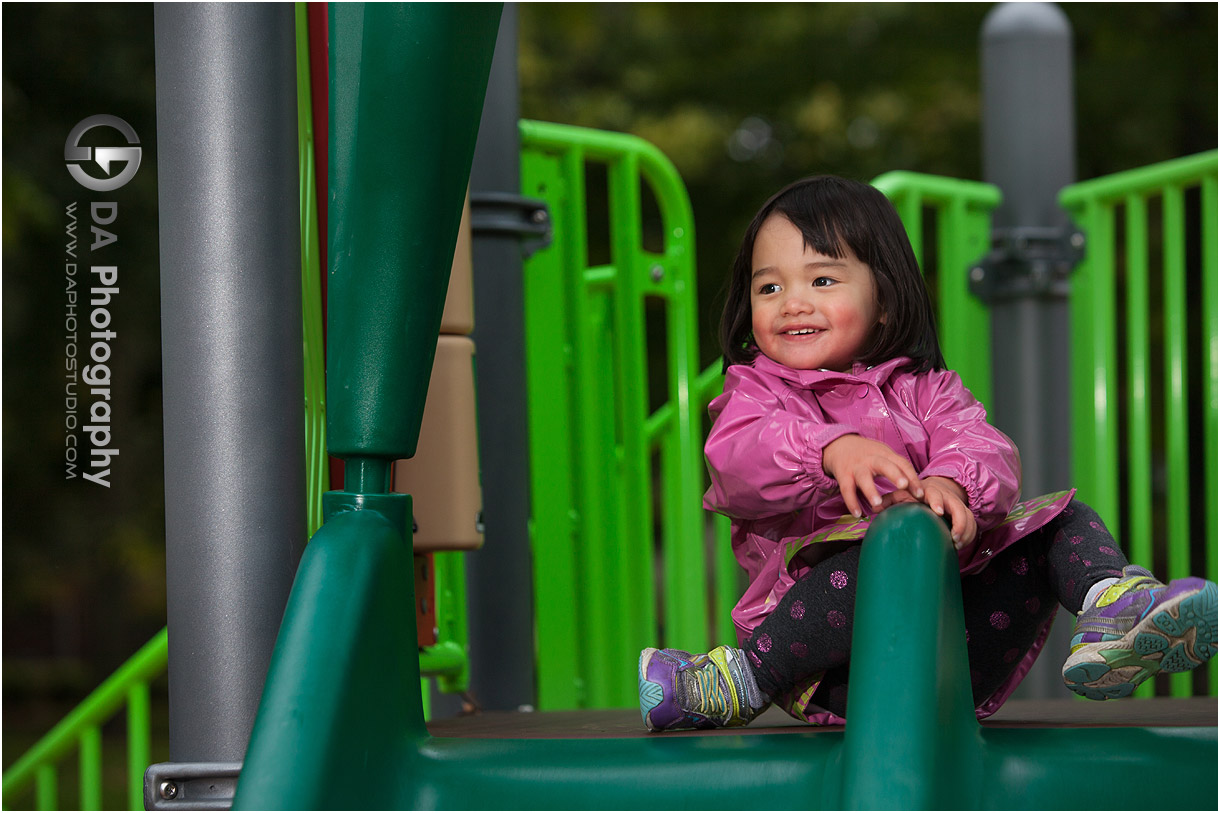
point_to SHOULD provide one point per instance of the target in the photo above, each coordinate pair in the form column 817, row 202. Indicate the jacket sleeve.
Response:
column 963, row 447
column 763, row 459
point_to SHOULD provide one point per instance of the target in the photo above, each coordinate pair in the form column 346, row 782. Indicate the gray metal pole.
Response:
column 231, row 346
column 500, row 575
column 1029, row 148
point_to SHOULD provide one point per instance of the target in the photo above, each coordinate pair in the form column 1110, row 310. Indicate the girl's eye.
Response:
column 768, row 288
column 822, row 282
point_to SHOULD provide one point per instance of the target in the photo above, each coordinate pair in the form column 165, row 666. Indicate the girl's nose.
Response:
column 797, row 302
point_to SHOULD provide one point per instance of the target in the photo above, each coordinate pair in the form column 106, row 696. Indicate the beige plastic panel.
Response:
column 458, row 318
column 443, row 477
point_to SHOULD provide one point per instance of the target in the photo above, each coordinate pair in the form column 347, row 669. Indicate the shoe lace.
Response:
column 709, row 696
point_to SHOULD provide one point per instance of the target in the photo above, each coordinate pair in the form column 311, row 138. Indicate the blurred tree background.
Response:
column 746, row 97
column 742, row 97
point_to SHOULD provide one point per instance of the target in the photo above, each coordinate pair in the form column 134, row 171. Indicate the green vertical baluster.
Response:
column 425, row 698
column 1108, row 346
column 449, row 568
column 1211, row 366
column 1081, row 386
column 91, row 768
column 965, row 324
column 1094, row 462
column 1177, row 451
column 688, row 589
column 684, row 373
column 910, row 209
column 635, row 598
column 1139, row 439
column 46, row 787
column 1177, row 447
column 589, row 513
column 595, row 449
column 549, row 356
column 675, row 578
column 600, row 467
column 139, row 750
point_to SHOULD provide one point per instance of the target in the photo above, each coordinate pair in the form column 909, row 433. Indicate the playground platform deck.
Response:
column 612, row 723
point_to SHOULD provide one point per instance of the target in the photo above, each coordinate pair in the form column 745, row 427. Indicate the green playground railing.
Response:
column 614, row 486
column 81, row 732
column 957, row 214
column 1151, row 245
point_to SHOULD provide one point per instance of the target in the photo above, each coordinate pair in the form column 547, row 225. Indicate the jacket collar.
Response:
column 827, row 379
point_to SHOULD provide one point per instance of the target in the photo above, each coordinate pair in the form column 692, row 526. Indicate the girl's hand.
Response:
column 942, row 494
column 853, row 462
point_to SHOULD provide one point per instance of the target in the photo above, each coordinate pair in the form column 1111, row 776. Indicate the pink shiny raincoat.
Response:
column 764, row 453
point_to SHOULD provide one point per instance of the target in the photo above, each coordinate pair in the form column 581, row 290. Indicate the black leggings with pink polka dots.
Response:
column 1005, row 606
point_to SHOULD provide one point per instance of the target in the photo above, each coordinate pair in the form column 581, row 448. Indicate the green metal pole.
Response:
column 91, row 768
column 407, row 85
column 1139, row 436
column 139, row 741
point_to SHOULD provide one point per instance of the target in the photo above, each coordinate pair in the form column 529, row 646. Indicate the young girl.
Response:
column 836, row 405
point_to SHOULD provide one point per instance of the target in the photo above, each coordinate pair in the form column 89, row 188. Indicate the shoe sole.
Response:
column 651, row 692
column 1177, row 637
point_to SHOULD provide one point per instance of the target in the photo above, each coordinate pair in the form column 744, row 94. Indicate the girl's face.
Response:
column 810, row 311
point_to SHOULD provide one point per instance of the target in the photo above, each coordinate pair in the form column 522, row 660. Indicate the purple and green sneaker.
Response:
column 680, row 690
column 1139, row 627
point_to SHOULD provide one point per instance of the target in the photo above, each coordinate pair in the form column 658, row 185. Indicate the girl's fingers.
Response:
column 897, row 476
column 900, row 472
column 847, row 488
column 912, row 478
column 963, row 525
column 959, row 524
column 868, row 489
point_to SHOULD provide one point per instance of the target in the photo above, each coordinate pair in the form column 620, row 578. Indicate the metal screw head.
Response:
column 658, row 273
column 977, row 273
column 539, row 216
column 1077, row 240
column 169, row 790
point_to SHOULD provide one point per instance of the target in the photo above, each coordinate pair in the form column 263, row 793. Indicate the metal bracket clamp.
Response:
column 1027, row 261
column 502, row 213
column 191, row 785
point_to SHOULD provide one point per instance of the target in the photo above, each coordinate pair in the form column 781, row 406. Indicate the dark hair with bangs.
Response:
column 836, row 215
